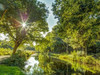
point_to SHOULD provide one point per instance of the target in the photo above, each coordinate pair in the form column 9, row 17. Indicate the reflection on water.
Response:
column 43, row 64
column 30, row 64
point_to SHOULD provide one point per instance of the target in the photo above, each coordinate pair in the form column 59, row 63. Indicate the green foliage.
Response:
column 17, row 12
column 29, row 52
column 78, row 21
column 29, row 48
column 89, row 60
column 52, row 43
column 6, row 44
column 97, row 55
column 38, row 70
column 8, row 70
column 17, row 59
column 51, row 66
column 87, row 63
column 94, row 49
column 74, row 56
column 5, row 51
column 46, row 64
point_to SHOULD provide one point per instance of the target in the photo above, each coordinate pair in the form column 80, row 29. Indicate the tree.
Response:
column 6, row 44
column 78, row 21
column 52, row 43
column 23, row 21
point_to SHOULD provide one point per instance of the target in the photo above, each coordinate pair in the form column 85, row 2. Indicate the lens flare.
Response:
column 24, row 24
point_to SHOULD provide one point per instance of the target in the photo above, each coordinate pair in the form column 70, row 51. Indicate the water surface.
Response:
column 43, row 64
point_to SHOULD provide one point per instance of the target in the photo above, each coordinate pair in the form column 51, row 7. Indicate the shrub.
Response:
column 90, row 60
column 5, row 51
column 28, row 52
column 17, row 59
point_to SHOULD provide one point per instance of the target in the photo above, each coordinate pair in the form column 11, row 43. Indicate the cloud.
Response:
column 51, row 20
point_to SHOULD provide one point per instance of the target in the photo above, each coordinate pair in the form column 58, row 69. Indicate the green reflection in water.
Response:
column 52, row 66
column 46, row 63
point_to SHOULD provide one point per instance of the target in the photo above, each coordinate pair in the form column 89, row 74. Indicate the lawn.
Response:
column 9, row 70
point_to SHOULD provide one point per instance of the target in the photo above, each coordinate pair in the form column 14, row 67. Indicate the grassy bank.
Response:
column 14, row 63
column 78, row 61
column 18, row 58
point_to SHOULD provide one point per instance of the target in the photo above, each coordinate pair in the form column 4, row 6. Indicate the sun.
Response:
column 23, row 24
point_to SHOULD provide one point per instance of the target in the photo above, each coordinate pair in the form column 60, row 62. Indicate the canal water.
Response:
column 43, row 64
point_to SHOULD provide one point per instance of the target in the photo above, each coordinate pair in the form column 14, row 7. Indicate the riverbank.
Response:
column 13, row 64
column 4, row 58
column 88, row 63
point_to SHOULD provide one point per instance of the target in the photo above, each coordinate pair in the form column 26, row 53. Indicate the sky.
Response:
column 51, row 20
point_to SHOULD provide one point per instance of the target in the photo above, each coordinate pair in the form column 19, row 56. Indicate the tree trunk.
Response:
column 81, row 51
column 15, row 47
column 85, row 51
column 67, row 49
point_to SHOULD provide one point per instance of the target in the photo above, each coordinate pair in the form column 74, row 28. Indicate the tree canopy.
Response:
column 78, row 21
column 51, row 43
column 23, row 20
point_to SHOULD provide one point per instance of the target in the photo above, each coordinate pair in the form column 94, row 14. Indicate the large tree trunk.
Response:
column 19, row 39
column 15, row 47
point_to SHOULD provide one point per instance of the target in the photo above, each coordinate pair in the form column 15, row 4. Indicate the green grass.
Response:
column 8, row 70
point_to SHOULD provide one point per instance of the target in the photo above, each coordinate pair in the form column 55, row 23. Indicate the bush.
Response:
column 90, row 60
column 28, row 52
column 5, row 51
column 17, row 59
column 75, row 56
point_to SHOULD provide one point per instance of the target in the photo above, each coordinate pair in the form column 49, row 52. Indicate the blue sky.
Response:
column 51, row 20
